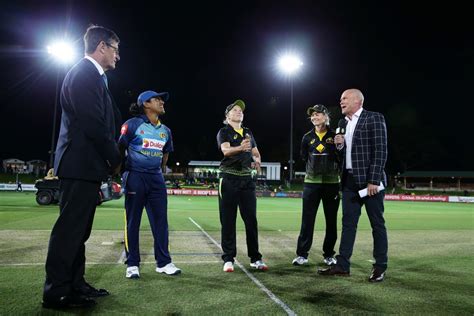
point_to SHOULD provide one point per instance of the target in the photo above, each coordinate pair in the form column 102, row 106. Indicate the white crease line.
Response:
column 270, row 294
column 105, row 263
column 122, row 257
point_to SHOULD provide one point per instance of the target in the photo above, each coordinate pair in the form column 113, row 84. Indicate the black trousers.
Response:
column 351, row 210
column 65, row 262
column 233, row 192
column 313, row 193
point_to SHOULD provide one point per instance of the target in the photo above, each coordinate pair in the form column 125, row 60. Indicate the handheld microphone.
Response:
column 341, row 130
column 341, row 127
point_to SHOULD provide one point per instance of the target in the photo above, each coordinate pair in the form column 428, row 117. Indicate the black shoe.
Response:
column 334, row 270
column 90, row 291
column 377, row 275
column 69, row 301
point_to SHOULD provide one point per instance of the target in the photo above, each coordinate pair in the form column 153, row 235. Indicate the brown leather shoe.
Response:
column 334, row 270
column 377, row 275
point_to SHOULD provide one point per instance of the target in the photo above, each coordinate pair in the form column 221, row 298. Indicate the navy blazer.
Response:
column 369, row 149
column 86, row 147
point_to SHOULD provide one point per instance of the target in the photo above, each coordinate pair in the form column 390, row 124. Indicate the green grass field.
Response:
column 431, row 248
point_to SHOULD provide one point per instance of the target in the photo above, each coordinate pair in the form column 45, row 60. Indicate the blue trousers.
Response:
column 351, row 210
column 149, row 191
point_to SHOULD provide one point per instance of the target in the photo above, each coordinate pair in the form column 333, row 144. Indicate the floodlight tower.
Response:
column 290, row 65
column 63, row 53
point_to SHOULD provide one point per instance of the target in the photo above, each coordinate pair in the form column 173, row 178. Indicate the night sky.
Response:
column 414, row 64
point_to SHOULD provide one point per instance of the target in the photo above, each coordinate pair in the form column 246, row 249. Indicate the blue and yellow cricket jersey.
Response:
column 145, row 144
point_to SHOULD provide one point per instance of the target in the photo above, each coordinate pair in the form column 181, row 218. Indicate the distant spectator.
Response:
column 176, row 185
column 18, row 186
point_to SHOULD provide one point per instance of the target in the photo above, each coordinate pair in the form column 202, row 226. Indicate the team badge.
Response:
column 312, row 141
column 124, row 129
column 235, row 136
column 162, row 135
column 320, row 148
column 330, row 140
column 142, row 132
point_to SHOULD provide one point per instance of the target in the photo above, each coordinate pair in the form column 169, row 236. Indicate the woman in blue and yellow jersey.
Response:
column 147, row 143
column 321, row 183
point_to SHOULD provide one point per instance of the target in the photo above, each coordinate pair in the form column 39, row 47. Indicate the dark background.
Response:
column 414, row 62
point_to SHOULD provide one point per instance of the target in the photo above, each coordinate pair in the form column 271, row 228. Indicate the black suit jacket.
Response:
column 369, row 149
column 86, row 147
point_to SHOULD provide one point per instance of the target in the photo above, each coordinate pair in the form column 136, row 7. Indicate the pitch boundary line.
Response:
column 262, row 287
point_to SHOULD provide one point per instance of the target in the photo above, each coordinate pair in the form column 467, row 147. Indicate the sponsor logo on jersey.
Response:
column 124, row 129
column 150, row 143
column 312, row 141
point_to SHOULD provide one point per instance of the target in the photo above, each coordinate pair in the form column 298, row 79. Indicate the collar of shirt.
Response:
column 356, row 115
column 145, row 118
column 96, row 64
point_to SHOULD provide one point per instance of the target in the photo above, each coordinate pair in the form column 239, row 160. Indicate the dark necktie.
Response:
column 104, row 77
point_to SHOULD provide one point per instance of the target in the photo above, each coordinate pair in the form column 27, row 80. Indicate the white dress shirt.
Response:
column 350, row 127
column 96, row 64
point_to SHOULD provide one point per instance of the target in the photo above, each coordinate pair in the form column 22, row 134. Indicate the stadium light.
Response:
column 177, row 164
column 63, row 53
column 290, row 64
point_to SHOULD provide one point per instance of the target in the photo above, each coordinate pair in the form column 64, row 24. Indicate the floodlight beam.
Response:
column 61, row 51
column 289, row 64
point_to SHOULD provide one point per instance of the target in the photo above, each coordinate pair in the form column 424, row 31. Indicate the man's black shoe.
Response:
column 90, row 291
column 377, row 275
column 69, row 301
column 334, row 270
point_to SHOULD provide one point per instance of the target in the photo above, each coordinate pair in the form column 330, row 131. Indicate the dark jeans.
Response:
column 65, row 262
column 234, row 192
column 313, row 193
column 351, row 210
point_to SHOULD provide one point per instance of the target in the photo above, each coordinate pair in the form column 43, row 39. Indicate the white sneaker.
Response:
column 330, row 261
column 299, row 261
column 132, row 272
column 228, row 266
column 259, row 265
column 169, row 269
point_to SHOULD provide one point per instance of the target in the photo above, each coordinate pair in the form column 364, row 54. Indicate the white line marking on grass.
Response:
column 262, row 287
column 107, row 243
column 122, row 257
column 107, row 263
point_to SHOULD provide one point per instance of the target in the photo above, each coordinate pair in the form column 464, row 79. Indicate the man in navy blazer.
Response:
column 86, row 154
column 363, row 151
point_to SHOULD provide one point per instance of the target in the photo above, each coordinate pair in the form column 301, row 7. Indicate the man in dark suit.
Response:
column 364, row 152
column 86, row 154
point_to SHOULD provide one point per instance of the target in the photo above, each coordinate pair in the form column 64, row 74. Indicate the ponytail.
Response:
column 136, row 110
